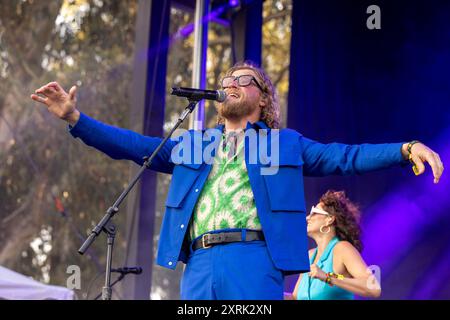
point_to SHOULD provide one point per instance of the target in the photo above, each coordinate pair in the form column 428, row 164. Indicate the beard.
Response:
column 234, row 109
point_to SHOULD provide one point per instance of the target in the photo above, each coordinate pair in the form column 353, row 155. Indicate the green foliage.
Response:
column 42, row 161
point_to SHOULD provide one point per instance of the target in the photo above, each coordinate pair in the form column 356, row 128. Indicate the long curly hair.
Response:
column 270, row 114
column 347, row 217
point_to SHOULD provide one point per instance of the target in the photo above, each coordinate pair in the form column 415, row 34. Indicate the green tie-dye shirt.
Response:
column 226, row 200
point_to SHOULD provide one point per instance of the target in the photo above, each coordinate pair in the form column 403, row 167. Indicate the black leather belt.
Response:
column 210, row 239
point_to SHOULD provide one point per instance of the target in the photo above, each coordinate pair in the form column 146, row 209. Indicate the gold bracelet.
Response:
column 336, row 275
column 410, row 144
column 328, row 279
column 414, row 166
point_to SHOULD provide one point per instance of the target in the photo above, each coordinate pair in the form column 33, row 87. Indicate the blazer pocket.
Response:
column 183, row 177
column 285, row 188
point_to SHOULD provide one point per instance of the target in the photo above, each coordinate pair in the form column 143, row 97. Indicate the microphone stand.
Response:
column 105, row 225
column 123, row 273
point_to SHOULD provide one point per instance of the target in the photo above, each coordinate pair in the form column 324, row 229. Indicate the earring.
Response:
column 328, row 230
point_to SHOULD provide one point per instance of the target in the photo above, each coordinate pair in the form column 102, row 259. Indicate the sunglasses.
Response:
column 242, row 81
column 319, row 211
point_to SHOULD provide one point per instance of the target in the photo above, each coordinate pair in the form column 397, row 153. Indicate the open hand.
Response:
column 59, row 102
column 420, row 154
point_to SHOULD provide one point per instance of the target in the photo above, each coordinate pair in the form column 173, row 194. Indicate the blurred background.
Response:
column 337, row 79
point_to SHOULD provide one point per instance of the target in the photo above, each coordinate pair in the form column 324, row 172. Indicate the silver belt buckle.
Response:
column 204, row 241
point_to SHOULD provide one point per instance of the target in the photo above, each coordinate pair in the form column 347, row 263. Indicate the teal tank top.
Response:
column 315, row 289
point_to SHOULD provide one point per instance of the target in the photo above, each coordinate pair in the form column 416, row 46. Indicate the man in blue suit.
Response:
column 238, row 228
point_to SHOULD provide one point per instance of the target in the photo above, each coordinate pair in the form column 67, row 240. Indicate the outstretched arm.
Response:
column 341, row 159
column 116, row 142
column 125, row 144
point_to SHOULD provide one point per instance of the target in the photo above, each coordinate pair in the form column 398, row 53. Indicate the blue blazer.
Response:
column 279, row 198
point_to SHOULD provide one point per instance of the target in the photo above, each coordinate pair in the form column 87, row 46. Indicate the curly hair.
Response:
column 347, row 217
column 270, row 114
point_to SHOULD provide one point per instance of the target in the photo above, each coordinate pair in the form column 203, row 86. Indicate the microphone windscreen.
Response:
column 221, row 95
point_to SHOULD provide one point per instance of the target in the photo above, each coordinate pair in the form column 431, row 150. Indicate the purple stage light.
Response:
column 182, row 33
column 396, row 223
column 234, row 3
column 188, row 29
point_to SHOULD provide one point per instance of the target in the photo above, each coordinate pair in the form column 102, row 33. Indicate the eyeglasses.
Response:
column 319, row 211
column 242, row 81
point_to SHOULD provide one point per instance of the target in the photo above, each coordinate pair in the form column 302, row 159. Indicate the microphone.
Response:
column 126, row 270
column 198, row 94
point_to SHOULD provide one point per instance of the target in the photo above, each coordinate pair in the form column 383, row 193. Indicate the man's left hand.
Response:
column 420, row 153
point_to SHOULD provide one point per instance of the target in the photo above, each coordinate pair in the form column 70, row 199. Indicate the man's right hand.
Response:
column 58, row 101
